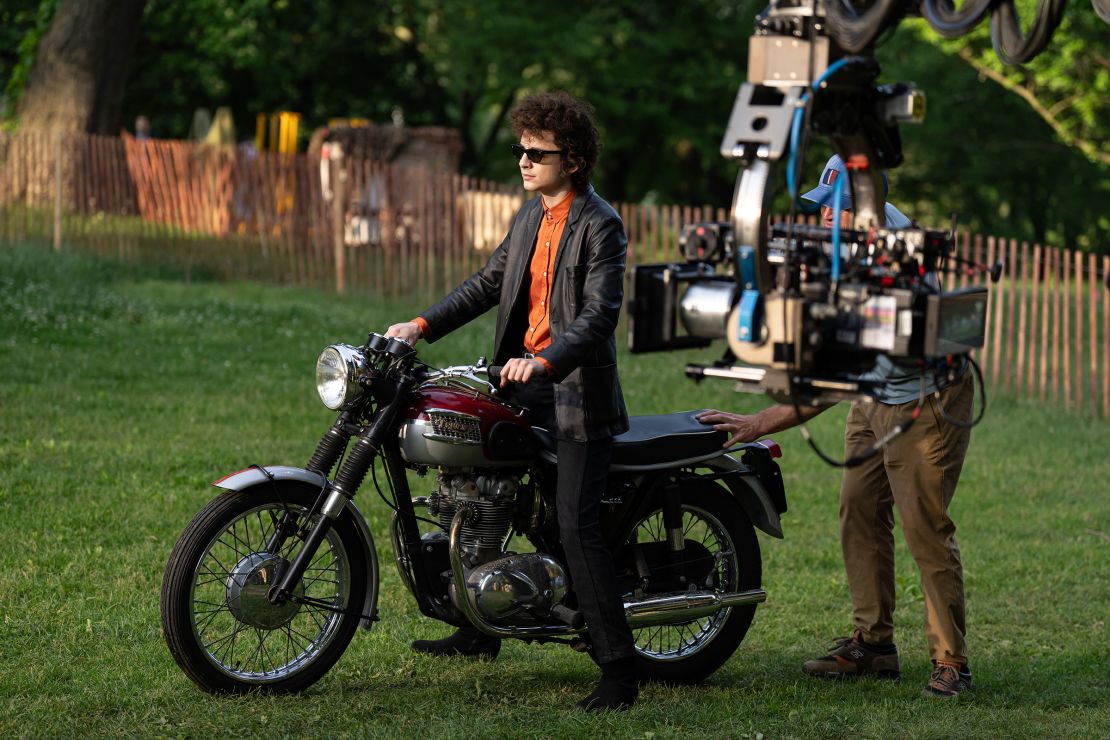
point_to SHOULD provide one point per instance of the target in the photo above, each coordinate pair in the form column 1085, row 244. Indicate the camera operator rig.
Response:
column 806, row 310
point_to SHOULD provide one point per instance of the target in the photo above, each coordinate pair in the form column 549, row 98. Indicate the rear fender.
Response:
column 255, row 479
column 750, row 492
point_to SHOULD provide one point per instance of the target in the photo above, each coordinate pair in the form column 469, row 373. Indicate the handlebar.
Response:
column 494, row 374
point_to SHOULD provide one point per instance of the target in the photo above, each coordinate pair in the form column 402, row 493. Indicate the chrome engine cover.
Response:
column 516, row 588
column 506, row 588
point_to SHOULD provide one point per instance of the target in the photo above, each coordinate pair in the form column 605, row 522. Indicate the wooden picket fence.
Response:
column 410, row 233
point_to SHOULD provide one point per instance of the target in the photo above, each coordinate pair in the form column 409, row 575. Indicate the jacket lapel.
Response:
column 524, row 237
column 520, row 252
column 576, row 209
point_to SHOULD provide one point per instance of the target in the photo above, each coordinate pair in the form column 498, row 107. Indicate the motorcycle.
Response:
column 268, row 584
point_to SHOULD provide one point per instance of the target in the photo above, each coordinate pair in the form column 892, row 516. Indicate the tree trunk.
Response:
column 80, row 69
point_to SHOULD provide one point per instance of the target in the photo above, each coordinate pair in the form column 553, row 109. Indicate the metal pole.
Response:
column 339, row 206
column 58, row 191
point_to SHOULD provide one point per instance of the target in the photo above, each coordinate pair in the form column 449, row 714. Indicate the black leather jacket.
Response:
column 587, row 289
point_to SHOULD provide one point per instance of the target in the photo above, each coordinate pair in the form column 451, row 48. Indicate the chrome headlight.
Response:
column 337, row 373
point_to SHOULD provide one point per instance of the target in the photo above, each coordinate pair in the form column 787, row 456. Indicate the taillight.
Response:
column 771, row 446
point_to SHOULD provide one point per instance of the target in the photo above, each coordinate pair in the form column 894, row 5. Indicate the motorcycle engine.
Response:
column 507, row 588
column 490, row 497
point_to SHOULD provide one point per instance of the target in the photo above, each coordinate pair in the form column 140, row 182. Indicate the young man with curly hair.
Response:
column 557, row 280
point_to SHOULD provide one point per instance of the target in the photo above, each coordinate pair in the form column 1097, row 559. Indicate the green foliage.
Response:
column 663, row 78
column 984, row 153
column 1070, row 80
column 661, row 75
column 127, row 392
column 22, row 24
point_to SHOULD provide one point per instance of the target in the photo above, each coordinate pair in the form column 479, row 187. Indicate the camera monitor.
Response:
column 655, row 307
column 955, row 322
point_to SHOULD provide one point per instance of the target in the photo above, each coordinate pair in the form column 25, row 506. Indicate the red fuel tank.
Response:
column 450, row 428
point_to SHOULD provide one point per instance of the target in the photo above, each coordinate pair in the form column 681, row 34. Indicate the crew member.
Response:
column 917, row 473
column 558, row 282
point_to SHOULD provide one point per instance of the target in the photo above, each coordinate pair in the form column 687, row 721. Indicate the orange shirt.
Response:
column 538, row 334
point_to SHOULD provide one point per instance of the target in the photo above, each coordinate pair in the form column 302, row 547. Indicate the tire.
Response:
column 690, row 652
column 218, row 625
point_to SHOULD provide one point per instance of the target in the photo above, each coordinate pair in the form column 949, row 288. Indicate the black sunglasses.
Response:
column 534, row 155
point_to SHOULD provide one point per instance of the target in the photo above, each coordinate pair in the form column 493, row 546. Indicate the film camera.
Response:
column 806, row 310
column 827, row 315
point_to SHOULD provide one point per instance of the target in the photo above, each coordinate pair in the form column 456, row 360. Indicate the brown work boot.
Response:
column 851, row 656
column 949, row 680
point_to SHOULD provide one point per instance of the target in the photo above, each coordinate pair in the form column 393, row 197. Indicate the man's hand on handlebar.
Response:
column 521, row 370
column 407, row 330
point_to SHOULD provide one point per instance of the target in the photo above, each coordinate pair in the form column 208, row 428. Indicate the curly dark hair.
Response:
column 571, row 121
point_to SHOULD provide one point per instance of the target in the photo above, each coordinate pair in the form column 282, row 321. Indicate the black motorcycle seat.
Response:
column 657, row 439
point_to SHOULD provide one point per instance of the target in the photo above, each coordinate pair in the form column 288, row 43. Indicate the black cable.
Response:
column 978, row 375
column 393, row 488
column 899, row 429
column 853, row 31
column 1015, row 47
column 949, row 22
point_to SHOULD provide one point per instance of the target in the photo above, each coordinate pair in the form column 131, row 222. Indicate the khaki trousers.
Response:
column 917, row 473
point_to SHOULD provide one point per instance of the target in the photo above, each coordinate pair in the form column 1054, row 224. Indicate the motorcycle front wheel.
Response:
column 714, row 524
column 220, row 627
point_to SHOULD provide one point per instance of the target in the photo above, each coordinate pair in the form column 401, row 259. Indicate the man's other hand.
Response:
column 407, row 330
column 740, row 428
column 521, row 370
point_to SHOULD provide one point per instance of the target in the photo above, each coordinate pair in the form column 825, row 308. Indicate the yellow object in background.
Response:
column 348, row 122
column 277, row 132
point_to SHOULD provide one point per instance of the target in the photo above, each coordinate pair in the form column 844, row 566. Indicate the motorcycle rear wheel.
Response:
column 218, row 624
column 690, row 652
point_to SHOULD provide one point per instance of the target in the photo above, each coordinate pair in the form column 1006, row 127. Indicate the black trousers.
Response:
column 583, row 468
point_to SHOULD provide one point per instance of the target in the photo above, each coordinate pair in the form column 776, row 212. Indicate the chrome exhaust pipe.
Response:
column 673, row 609
column 687, row 607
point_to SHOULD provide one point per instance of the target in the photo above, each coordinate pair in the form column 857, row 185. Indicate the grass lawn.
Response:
column 126, row 392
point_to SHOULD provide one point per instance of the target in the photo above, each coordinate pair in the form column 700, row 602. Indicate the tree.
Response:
column 985, row 153
column 76, row 82
column 1067, row 84
column 662, row 77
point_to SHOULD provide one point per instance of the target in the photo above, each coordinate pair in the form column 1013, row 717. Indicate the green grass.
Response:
column 125, row 392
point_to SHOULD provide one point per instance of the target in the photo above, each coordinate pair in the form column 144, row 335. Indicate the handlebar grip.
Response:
column 494, row 373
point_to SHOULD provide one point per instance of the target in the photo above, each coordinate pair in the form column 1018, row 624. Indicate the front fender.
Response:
column 257, row 477
column 750, row 492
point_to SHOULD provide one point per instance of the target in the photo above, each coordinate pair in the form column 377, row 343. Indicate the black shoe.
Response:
column 465, row 641
column 616, row 691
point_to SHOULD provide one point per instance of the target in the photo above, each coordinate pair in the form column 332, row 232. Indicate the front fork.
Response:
column 346, row 483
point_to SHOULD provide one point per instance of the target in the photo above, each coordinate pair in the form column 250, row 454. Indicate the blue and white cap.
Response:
column 823, row 193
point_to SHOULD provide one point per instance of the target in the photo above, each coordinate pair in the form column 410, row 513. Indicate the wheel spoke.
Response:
column 678, row 641
column 691, row 521
column 225, row 569
column 208, row 620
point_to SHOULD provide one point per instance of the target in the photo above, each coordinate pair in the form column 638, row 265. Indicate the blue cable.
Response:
column 838, row 188
column 796, row 123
